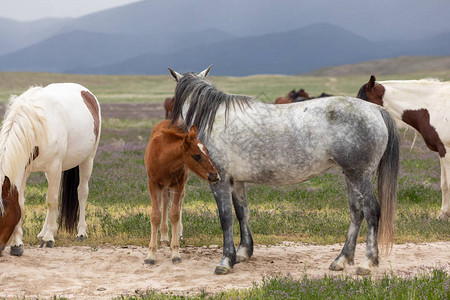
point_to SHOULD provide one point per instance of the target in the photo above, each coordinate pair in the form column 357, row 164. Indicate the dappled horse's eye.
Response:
column 197, row 157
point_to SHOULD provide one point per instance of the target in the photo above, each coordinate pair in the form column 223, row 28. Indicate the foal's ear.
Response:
column 205, row 72
column 175, row 75
column 371, row 83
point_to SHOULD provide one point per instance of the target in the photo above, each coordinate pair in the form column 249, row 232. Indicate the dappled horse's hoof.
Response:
column 81, row 238
column 336, row 266
column 17, row 250
column 149, row 261
column 47, row 244
column 362, row 271
column 240, row 258
column 176, row 260
column 221, row 270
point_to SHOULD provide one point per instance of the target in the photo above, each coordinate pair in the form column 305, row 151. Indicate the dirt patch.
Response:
column 85, row 272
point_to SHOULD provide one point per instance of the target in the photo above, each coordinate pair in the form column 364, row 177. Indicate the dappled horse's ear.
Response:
column 175, row 75
column 205, row 73
column 371, row 83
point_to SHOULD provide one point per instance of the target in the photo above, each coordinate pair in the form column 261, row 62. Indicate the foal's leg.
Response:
column 445, row 187
column 356, row 202
column 155, row 219
column 222, row 194
column 50, row 225
column 239, row 196
column 83, row 192
column 167, row 196
column 175, row 219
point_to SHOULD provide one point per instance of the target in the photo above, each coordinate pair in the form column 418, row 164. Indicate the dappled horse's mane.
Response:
column 21, row 126
column 205, row 99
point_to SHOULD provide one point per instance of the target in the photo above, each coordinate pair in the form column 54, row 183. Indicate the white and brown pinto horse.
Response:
column 425, row 105
column 55, row 130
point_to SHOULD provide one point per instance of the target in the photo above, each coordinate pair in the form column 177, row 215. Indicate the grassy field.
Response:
column 316, row 211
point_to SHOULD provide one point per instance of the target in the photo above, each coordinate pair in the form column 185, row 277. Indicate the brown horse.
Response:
column 10, row 212
column 171, row 153
column 168, row 106
column 287, row 99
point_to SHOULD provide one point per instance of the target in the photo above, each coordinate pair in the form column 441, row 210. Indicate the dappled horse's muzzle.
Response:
column 213, row 177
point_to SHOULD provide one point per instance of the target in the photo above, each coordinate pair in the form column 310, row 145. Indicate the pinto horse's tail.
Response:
column 69, row 199
column 387, row 184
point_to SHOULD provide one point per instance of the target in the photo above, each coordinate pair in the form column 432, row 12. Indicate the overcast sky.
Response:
column 28, row 10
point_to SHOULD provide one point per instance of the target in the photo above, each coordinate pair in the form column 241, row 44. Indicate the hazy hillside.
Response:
column 238, row 37
column 390, row 66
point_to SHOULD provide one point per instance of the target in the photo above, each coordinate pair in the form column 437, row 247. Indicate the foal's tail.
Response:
column 387, row 184
column 69, row 199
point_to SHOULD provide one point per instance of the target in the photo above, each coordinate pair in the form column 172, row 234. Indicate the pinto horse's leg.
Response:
column 445, row 187
column 239, row 196
column 167, row 196
column 155, row 218
column 175, row 218
column 85, row 169
column 50, row 225
column 16, row 237
column 363, row 203
column 222, row 194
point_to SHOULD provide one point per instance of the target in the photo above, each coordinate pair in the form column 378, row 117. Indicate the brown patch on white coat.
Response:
column 91, row 103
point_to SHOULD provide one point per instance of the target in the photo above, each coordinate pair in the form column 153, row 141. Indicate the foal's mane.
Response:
column 205, row 99
column 22, row 126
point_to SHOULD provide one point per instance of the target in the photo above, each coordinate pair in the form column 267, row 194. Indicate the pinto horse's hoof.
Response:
column 47, row 244
column 81, row 238
column 149, row 261
column 17, row 250
column 221, row 270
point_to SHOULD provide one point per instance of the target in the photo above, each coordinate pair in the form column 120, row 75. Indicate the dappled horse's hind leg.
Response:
column 239, row 196
column 155, row 218
column 363, row 203
column 445, row 187
column 175, row 219
column 164, row 228
column 83, row 192
column 222, row 193
column 50, row 226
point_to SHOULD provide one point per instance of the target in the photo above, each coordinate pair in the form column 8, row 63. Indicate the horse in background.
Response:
column 245, row 138
column 168, row 106
column 287, row 99
column 56, row 130
column 424, row 105
column 171, row 152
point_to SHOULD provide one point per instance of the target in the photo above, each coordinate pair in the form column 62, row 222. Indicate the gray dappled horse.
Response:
column 250, row 141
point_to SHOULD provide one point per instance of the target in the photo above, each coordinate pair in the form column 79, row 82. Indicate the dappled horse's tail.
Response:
column 69, row 199
column 387, row 184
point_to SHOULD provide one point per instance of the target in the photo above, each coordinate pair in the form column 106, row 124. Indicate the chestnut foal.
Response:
column 170, row 154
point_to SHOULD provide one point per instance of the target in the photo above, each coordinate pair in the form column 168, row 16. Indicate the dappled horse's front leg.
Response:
column 156, row 195
column 239, row 196
column 363, row 203
column 222, row 194
column 175, row 219
column 50, row 225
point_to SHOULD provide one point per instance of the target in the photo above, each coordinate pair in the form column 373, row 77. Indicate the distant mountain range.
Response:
column 149, row 36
